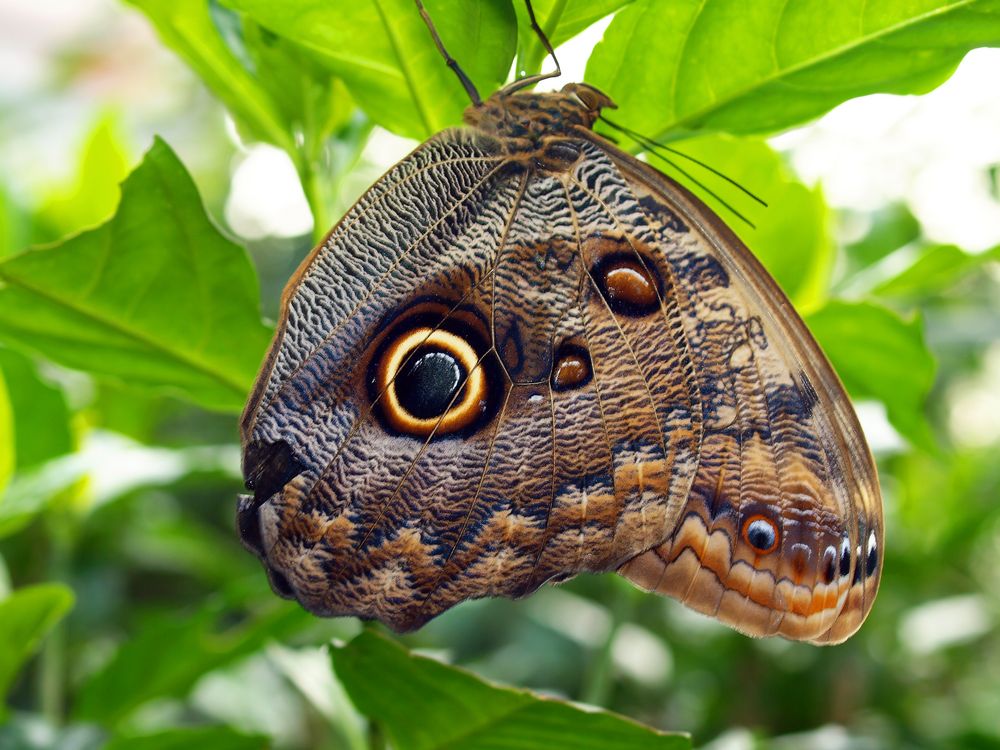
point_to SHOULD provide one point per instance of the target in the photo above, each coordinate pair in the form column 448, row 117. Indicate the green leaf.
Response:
column 891, row 227
column 561, row 20
column 768, row 65
column 934, row 270
column 310, row 100
column 186, row 27
column 170, row 652
column 14, row 224
column 7, row 444
column 217, row 738
column 425, row 705
column 40, row 412
column 156, row 297
column 881, row 356
column 384, row 53
column 790, row 236
column 315, row 106
column 31, row 492
column 25, row 618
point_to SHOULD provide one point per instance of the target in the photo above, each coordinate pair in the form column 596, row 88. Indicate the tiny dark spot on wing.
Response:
column 845, row 559
column 871, row 559
column 829, row 564
column 858, row 568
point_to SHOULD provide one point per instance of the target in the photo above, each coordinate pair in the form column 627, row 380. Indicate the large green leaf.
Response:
column 156, row 297
column 426, row 705
column 790, row 235
column 186, row 27
column 384, row 53
column 881, row 356
column 40, row 412
column 764, row 66
column 7, row 445
column 25, row 617
column 216, row 738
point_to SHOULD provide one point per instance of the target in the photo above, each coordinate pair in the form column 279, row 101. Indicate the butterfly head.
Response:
column 529, row 115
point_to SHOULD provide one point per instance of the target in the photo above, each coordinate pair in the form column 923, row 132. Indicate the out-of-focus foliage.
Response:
column 25, row 617
column 131, row 330
column 7, row 444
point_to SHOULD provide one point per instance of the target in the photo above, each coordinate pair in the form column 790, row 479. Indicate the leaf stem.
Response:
column 317, row 196
column 376, row 734
column 598, row 681
column 52, row 658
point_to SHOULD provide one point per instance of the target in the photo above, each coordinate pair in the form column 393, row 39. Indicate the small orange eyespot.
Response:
column 571, row 369
column 431, row 382
column 761, row 533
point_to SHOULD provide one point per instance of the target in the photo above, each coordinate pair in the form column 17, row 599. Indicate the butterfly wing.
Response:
column 628, row 389
column 782, row 530
column 359, row 509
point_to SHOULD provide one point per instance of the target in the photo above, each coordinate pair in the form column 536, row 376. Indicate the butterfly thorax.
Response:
column 531, row 123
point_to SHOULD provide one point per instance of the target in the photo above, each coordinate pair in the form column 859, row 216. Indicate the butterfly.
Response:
column 526, row 354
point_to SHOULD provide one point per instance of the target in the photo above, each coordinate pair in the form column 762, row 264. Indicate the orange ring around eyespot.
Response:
column 774, row 529
column 459, row 415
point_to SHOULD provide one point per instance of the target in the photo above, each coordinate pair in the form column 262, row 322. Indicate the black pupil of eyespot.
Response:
column 426, row 385
column 845, row 561
column 760, row 535
column 872, row 561
column 829, row 565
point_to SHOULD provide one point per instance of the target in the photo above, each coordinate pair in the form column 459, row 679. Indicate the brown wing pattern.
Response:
column 524, row 354
column 781, row 451
column 354, row 516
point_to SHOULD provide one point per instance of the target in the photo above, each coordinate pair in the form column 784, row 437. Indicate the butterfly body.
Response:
column 524, row 354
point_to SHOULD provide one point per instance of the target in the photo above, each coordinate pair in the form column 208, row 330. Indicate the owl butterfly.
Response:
column 525, row 354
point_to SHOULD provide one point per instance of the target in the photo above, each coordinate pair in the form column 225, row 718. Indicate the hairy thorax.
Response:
column 542, row 127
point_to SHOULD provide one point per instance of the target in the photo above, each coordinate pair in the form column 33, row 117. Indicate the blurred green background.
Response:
column 129, row 614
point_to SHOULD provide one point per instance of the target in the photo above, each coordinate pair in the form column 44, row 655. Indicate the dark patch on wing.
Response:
column 268, row 467
column 662, row 214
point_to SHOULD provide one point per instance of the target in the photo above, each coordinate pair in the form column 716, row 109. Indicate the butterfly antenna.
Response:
column 467, row 84
column 646, row 144
column 650, row 145
column 532, row 80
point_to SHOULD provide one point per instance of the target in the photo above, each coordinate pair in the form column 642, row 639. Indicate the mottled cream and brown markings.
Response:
column 635, row 394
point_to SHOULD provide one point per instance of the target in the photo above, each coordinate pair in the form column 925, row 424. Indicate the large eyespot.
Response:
column 628, row 285
column 431, row 382
column 761, row 534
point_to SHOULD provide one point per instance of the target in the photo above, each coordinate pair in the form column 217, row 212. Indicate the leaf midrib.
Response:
column 806, row 64
column 403, row 60
column 90, row 314
column 460, row 741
